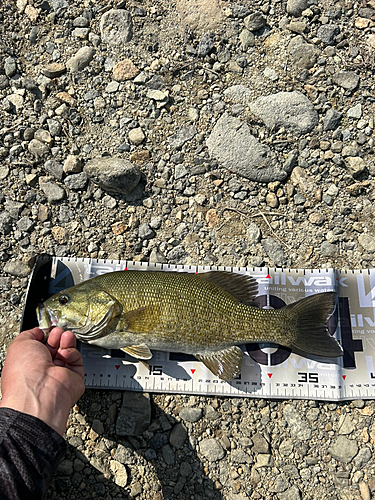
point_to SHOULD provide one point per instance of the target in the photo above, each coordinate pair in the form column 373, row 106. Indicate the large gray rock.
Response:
column 239, row 151
column 327, row 33
column 113, row 174
column 135, row 414
column 206, row 45
column 356, row 166
column 332, row 119
column 260, row 444
column 116, row 27
column 14, row 208
column 328, row 249
column 178, row 436
column 344, row 449
column 291, row 110
column 52, row 191
column 363, row 457
column 211, row 449
column 348, row 80
column 76, row 181
column 253, row 234
column 302, row 54
column 238, row 93
column 296, row 7
column 191, row 414
column 54, row 168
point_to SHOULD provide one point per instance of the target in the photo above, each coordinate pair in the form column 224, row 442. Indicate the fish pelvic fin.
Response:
column 310, row 317
column 140, row 351
column 225, row 364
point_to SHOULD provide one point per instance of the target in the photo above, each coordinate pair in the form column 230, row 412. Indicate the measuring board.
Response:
column 270, row 371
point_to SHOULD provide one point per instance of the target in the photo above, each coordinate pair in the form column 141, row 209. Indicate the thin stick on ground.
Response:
column 259, row 214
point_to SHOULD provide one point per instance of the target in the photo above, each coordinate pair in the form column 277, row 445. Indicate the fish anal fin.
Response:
column 225, row 364
column 141, row 320
column 242, row 287
column 140, row 351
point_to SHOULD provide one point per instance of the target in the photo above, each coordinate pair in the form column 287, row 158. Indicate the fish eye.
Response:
column 63, row 299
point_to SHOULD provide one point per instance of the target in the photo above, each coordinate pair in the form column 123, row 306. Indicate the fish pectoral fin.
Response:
column 141, row 320
column 225, row 364
column 140, row 351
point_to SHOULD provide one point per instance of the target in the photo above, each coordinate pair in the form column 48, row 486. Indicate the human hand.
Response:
column 44, row 380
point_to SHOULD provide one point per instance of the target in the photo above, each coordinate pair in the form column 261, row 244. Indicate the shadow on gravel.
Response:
column 160, row 464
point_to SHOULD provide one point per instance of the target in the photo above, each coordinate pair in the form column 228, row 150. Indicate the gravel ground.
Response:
column 192, row 132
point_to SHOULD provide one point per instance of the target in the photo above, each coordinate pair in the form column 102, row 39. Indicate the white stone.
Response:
column 355, row 111
column 119, row 471
column 16, row 100
column 136, row 136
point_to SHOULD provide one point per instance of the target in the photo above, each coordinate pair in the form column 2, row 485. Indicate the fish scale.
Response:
column 207, row 315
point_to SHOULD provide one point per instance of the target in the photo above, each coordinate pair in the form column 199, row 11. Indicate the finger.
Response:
column 71, row 358
column 54, row 339
column 33, row 334
column 68, row 340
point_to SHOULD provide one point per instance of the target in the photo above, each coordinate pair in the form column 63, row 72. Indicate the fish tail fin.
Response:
column 310, row 316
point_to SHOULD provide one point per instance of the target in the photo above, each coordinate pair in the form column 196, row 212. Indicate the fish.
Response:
column 208, row 315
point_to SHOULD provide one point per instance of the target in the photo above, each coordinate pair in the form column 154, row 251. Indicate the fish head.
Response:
column 85, row 311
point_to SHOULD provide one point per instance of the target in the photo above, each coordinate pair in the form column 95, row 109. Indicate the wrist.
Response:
column 51, row 414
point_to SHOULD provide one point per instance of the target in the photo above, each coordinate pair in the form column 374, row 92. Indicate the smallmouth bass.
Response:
column 207, row 315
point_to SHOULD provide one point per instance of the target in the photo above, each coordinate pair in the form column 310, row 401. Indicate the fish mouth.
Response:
column 46, row 319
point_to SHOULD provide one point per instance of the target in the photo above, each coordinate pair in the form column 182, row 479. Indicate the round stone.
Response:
column 136, row 136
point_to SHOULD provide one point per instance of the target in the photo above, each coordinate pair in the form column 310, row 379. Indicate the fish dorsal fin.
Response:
column 225, row 364
column 242, row 287
column 140, row 351
column 141, row 320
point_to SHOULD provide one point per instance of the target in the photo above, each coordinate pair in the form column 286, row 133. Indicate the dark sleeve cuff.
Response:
column 30, row 451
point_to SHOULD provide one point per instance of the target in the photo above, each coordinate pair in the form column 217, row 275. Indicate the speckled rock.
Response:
column 113, row 174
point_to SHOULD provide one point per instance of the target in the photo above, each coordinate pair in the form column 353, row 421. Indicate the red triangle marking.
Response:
column 269, row 375
column 125, row 269
column 268, row 276
column 193, row 370
column 344, row 377
column 117, row 366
